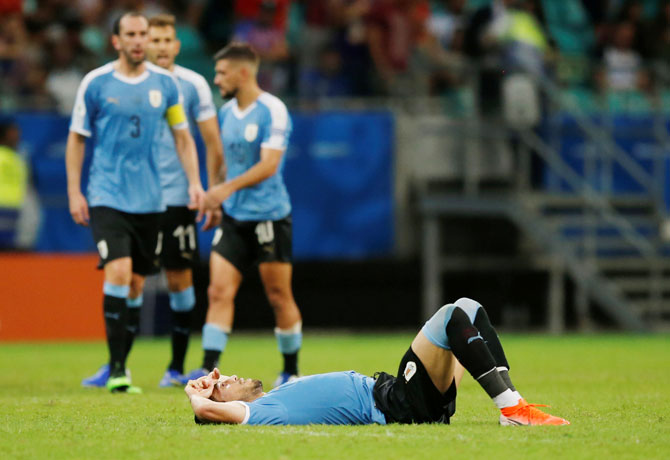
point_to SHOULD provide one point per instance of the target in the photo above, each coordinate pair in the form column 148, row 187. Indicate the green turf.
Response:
column 614, row 389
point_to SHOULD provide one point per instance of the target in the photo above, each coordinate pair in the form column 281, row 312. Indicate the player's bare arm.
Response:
column 74, row 159
column 189, row 160
column 210, row 411
column 216, row 168
column 265, row 168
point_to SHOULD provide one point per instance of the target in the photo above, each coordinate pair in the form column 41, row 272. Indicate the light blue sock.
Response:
column 435, row 328
column 115, row 290
column 136, row 302
column 182, row 301
column 213, row 337
column 289, row 341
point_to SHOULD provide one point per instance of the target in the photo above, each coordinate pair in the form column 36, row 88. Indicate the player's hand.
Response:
column 203, row 388
column 215, row 374
column 212, row 219
column 197, row 197
column 78, row 208
column 217, row 195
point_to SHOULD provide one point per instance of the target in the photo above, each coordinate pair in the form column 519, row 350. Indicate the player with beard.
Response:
column 256, row 228
column 424, row 390
column 178, row 224
column 119, row 106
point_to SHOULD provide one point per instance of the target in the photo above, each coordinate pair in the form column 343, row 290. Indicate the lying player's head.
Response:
column 163, row 46
column 130, row 36
column 236, row 65
column 233, row 388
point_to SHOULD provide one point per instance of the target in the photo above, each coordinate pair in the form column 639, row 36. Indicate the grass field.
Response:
column 615, row 389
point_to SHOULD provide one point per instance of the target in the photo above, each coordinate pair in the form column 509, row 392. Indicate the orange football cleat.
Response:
column 528, row 414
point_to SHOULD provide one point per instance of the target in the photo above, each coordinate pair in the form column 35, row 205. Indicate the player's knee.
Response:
column 220, row 293
column 470, row 307
column 118, row 274
column 178, row 280
column 278, row 297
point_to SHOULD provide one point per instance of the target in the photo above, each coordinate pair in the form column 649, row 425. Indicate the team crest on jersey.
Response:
column 103, row 250
column 155, row 98
column 250, row 132
column 410, row 370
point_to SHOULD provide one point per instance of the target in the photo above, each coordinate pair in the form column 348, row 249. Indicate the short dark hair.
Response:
column 163, row 20
column 238, row 51
column 116, row 27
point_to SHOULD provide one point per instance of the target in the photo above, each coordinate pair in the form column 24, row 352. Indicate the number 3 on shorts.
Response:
column 265, row 232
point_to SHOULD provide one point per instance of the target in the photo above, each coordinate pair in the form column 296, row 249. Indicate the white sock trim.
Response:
column 295, row 329
column 502, row 368
column 486, row 373
column 506, row 399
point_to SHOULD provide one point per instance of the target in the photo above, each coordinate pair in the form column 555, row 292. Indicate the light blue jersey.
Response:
column 265, row 123
column 337, row 398
column 198, row 106
column 122, row 114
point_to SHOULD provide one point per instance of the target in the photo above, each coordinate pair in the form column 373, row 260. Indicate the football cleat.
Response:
column 99, row 379
column 283, row 378
column 528, row 414
column 122, row 385
column 195, row 374
column 171, row 378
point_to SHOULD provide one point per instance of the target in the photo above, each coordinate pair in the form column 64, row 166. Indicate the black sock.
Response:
column 490, row 336
column 180, row 331
column 469, row 348
column 291, row 363
column 132, row 327
column 211, row 359
column 114, row 309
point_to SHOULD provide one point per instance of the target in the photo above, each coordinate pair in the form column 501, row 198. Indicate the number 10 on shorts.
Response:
column 265, row 232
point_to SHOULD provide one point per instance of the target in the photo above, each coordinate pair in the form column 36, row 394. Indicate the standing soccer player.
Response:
column 178, row 224
column 120, row 106
column 256, row 226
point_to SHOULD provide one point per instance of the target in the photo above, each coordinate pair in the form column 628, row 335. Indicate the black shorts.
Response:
column 120, row 234
column 416, row 400
column 179, row 238
column 248, row 243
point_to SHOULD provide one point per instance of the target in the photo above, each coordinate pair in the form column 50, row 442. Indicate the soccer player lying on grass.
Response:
column 423, row 392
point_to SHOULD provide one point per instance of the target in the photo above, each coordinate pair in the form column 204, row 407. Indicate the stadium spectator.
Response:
column 13, row 181
column 327, row 79
column 121, row 105
column 447, row 24
column 269, row 41
column 350, row 37
column 458, row 336
column 623, row 68
column 178, row 223
column 250, row 10
column 256, row 227
column 64, row 74
column 660, row 52
column 395, row 28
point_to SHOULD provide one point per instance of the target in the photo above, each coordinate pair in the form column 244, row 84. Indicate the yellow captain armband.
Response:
column 175, row 115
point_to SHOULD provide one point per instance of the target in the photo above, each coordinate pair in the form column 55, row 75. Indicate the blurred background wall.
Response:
column 513, row 151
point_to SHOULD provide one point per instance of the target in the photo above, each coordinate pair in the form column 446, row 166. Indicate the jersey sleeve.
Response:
column 204, row 108
column 278, row 126
column 175, row 115
column 84, row 109
column 264, row 411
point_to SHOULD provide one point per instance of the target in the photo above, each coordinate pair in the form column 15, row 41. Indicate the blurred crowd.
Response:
column 345, row 48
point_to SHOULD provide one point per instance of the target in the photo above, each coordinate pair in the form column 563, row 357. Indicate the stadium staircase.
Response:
column 613, row 246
